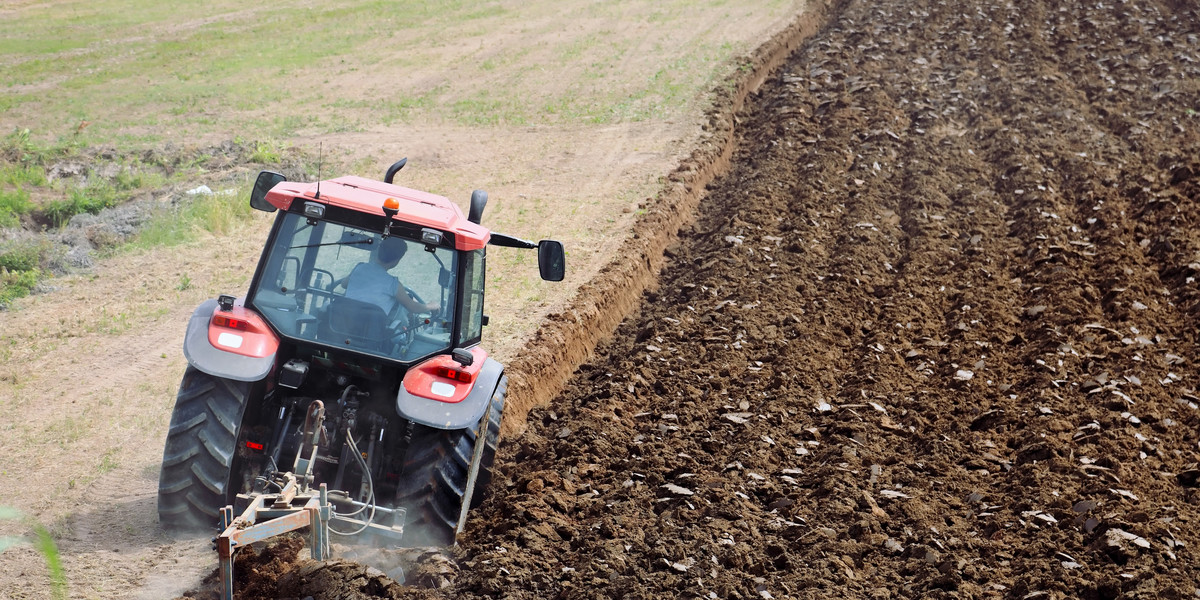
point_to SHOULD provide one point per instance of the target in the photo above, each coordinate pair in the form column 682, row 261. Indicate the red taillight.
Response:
column 230, row 322
column 254, row 445
column 454, row 374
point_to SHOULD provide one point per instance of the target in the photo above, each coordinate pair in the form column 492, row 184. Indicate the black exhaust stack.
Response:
column 478, row 202
column 395, row 168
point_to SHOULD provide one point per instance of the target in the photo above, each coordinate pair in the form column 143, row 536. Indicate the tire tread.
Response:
column 194, row 483
column 434, row 479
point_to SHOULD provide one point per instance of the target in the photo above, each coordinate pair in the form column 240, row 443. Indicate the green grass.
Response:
column 267, row 152
column 108, row 462
column 99, row 71
column 192, row 71
column 130, row 179
column 21, row 257
column 24, row 156
column 13, row 204
column 91, row 199
column 488, row 110
column 23, row 167
column 17, row 284
column 21, row 175
column 215, row 213
column 23, row 161
column 390, row 110
column 21, row 269
column 42, row 541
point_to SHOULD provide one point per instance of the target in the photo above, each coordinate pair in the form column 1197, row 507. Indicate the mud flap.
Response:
column 459, row 415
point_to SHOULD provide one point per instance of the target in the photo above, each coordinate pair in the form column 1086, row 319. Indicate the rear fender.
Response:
column 244, row 351
column 444, row 403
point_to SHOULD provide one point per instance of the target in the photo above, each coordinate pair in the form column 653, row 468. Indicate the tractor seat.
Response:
column 359, row 324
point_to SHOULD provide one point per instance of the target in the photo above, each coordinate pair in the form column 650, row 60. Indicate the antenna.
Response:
column 320, row 157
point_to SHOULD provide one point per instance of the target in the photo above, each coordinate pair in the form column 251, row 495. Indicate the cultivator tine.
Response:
column 472, row 475
column 319, row 531
column 225, row 553
column 226, row 567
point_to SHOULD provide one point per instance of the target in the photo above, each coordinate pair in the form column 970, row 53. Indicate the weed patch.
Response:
column 20, row 270
column 24, row 257
column 17, row 284
column 91, row 199
column 13, row 204
column 266, row 153
column 214, row 213
column 21, row 175
column 20, row 148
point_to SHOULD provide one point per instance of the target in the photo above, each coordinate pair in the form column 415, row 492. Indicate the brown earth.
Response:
column 933, row 335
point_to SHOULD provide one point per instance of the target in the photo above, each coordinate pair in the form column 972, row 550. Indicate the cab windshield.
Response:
column 350, row 288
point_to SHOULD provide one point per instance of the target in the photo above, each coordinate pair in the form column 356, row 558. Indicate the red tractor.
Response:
column 367, row 308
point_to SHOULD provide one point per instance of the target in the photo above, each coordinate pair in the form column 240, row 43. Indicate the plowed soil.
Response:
column 934, row 334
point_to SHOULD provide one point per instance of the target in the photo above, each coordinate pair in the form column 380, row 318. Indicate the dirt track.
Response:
column 934, row 335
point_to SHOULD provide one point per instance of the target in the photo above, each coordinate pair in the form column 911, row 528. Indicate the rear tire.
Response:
column 434, row 478
column 198, row 460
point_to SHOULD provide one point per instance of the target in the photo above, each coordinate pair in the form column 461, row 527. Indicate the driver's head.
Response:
column 391, row 250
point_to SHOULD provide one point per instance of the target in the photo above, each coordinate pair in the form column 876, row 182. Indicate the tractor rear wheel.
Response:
column 198, row 460
column 434, row 479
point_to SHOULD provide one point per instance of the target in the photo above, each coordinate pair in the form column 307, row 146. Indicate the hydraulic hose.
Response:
column 370, row 495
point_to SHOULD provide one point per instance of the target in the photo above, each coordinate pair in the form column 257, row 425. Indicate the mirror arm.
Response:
column 508, row 241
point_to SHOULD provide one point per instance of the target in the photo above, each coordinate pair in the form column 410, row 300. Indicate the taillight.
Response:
column 254, row 445
column 230, row 322
column 455, row 374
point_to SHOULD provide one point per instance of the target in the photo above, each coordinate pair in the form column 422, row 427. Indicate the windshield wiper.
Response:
column 354, row 243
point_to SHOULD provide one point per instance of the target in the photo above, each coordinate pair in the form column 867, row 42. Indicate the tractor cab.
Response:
column 366, row 267
column 338, row 285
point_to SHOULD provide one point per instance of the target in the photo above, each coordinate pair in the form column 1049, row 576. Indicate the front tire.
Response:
column 434, row 477
column 198, row 460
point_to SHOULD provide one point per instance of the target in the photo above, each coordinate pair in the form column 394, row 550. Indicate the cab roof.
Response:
column 367, row 196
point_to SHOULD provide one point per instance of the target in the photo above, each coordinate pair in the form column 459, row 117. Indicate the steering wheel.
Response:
column 313, row 294
column 414, row 320
column 316, row 291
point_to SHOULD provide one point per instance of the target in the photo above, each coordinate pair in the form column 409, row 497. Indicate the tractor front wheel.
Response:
column 434, row 479
column 198, row 460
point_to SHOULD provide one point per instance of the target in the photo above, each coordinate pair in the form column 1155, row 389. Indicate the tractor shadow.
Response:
column 113, row 544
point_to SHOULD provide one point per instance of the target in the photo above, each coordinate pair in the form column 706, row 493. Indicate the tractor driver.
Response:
column 370, row 281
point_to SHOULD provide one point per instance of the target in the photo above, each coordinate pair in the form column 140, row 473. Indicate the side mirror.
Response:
column 551, row 260
column 258, row 196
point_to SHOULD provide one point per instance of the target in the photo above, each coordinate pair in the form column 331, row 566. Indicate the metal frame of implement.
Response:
column 296, row 506
column 270, row 515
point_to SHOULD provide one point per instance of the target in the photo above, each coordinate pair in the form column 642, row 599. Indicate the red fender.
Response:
column 443, row 379
column 241, row 331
